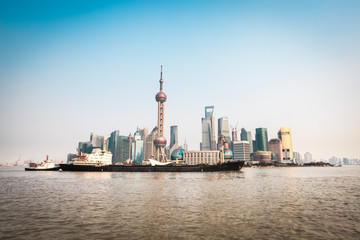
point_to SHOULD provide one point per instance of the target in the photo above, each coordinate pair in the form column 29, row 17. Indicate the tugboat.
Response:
column 46, row 165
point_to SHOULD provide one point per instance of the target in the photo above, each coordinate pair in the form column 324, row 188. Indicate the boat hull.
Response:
column 42, row 169
column 229, row 166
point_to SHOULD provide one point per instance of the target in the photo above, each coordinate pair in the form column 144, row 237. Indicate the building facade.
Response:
column 262, row 156
column 297, row 158
column 307, row 157
column 223, row 129
column 201, row 157
column 246, row 136
column 173, row 135
column 261, row 139
column 208, row 130
column 275, row 147
column 241, row 151
column 285, row 135
column 137, row 148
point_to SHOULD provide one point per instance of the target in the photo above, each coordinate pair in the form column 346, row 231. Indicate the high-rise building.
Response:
column 119, row 147
column 246, row 136
column 144, row 132
column 173, row 135
column 87, row 147
column 149, row 148
column 97, row 141
column 261, row 139
column 160, row 140
column 208, row 129
column 223, row 129
column 254, row 146
column 285, row 136
column 241, row 151
column 307, row 157
column 297, row 158
column 275, row 147
column 137, row 148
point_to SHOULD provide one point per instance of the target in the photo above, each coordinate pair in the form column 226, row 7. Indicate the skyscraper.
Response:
column 149, row 144
column 307, row 157
column 95, row 142
column 275, row 147
column 285, row 136
column 173, row 135
column 297, row 157
column 223, row 129
column 119, row 147
column 160, row 140
column 137, row 148
column 261, row 139
column 246, row 136
column 208, row 129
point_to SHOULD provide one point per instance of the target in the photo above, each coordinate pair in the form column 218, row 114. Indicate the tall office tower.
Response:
column 254, row 146
column 97, row 141
column 275, row 147
column 114, row 147
column 137, row 148
column 234, row 135
column 285, row 136
column 160, row 140
column 246, row 136
column 261, row 139
column 149, row 144
column 223, row 129
column 124, row 148
column 144, row 132
column 307, row 157
column 173, row 135
column 297, row 157
column 241, row 151
column 87, row 147
column 208, row 129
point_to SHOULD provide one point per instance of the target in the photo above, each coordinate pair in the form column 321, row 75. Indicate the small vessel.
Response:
column 46, row 165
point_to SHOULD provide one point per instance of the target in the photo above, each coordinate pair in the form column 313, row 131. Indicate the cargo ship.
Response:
column 171, row 167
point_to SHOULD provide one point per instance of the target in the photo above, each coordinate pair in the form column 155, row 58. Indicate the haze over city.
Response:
column 69, row 68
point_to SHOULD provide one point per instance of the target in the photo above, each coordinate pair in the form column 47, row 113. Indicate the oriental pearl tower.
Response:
column 160, row 140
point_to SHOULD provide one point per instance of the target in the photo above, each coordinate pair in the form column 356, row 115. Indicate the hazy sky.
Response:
column 69, row 68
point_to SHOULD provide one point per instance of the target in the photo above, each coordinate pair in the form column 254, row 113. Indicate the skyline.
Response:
column 67, row 70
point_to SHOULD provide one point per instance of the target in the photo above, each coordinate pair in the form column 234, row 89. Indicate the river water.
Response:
column 267, row 203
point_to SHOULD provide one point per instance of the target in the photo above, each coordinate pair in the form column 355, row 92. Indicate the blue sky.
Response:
column 68, row 68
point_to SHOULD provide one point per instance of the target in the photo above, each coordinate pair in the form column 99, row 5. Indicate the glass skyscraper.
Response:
column 223, row 129
column 173, row 135
column 261, row 139
column 246, row 136
column 208, row 129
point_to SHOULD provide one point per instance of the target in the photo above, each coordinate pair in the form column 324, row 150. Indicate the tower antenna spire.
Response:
column 161, row 79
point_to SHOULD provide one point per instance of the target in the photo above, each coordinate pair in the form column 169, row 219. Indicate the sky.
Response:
column 69, row 68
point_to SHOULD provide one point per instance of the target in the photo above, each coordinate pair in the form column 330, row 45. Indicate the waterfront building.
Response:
column 149, row 144
column 246, row 136
column 262, row 156
column 209, row 157
column 275, row 147
column 261, row 139
column 298, row 158
column 87, row 147
column 144, row 132
column 160, row 140
column 223, row 129
column 208, row 130
column 285, row 135
column 137, row 148
column 307, row 157
column 241, row 151
column 97, row 141
column 346, row 161
column 173, row 135
column 254, row 146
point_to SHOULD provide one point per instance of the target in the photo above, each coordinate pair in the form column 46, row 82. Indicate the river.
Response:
column 267, row 203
